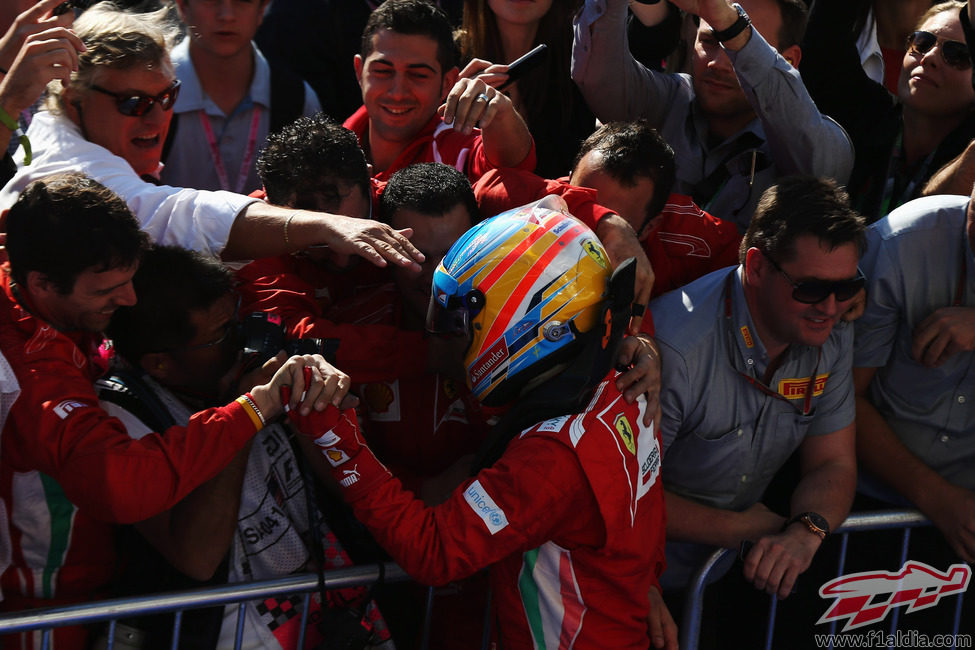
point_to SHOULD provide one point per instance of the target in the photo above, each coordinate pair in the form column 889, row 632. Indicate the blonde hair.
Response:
column 120, row 40
column 941, row 7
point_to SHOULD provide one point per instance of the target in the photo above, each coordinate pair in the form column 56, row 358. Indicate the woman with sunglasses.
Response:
column 900, row 141
column 109, row 120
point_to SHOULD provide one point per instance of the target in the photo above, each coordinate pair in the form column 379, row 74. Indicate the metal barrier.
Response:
column 690, row 628
column 120, row 608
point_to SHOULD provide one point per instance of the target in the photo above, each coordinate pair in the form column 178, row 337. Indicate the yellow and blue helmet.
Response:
column 524, row 286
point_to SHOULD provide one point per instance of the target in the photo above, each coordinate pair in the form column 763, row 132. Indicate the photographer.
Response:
column 180, row 349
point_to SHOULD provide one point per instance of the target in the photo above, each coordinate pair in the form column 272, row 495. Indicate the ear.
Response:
column 755, row 266
column 39, row 286
column 70, row 103
column 357, row 62
column 157, row 365
column 449, row 79
column 792, row 54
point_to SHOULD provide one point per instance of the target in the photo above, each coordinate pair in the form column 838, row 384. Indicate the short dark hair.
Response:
column 171, row 282
column 795, row 15
column 65, row 224
column 632, row 150
column 803, row 205
column 306, row 159
column 428, row 188
column 413, row 17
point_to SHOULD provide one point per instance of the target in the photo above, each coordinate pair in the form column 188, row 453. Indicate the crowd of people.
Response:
column 291, row 288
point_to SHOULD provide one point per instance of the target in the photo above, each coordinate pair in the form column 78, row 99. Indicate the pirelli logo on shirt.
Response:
column 796, row 388
column 746, row 335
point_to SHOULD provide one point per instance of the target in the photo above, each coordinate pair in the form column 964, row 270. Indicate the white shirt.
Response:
column 175, row 216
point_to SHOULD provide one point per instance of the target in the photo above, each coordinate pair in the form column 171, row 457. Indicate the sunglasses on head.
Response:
column 139, row 104
column 954, row 53
column 810, row 292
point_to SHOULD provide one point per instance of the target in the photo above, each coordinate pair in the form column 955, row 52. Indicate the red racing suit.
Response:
column 67, row 469
column 438, row 142
column 570, row 521
column 687, row 243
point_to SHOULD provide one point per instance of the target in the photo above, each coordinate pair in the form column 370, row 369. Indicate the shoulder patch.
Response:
column 484, row 507
column 63, row 410
column 625, row 432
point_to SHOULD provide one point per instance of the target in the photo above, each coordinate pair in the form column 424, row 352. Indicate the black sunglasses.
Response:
column 810, row 292
column 139, row 104
column 954, row 53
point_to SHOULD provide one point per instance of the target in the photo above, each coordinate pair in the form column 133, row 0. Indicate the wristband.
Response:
column 253, row 412
column 11, row 124
column 736, row 27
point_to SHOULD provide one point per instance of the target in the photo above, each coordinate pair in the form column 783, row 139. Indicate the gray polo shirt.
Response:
column 914, row 262
column 788, row 136
column 723, row 438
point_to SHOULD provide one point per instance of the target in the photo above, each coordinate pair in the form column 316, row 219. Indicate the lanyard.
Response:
column 245, row 164
column 752, row 381
column 890, row 181
column 962, row 275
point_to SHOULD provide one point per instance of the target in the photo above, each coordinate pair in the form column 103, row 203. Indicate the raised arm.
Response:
column 614, row 84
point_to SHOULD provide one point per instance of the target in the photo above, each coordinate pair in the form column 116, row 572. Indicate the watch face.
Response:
column 817, row 520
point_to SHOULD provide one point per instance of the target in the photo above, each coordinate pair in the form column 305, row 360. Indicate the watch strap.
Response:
column 736, row 27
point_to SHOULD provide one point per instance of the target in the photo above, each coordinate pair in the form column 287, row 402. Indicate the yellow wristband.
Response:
column 252, row 412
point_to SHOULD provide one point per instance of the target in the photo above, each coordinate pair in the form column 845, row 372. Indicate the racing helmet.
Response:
column 524, row 286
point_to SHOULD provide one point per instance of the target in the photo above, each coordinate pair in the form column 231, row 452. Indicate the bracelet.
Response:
column 252, row 410
column 287, row 241
column 11, row 124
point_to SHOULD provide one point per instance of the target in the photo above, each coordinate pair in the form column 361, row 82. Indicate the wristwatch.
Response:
column 736, row 27
column 814, row 521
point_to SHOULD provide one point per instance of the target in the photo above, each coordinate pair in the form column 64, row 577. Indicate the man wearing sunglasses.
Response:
column 739, row 120
column 914, row 354
column 755, row 366
column 110, row 121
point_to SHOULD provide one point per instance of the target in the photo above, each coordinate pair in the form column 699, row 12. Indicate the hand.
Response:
column 335, row 432
column 472, row 102
column 620, row 242
column 36, row 19
column 776, row 561
column 642, row 359
column 856, row 308
column 47, row 55
column 954, row 515
column 375, row 241
column 946, row 332
column 313, row 384
column 493, row 74
column 663, row 629
column 247, row 381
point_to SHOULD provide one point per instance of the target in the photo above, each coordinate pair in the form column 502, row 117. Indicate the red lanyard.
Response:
column 245, row 164
column 752, row 381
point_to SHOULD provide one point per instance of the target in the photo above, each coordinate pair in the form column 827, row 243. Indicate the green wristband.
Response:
column 11, row 124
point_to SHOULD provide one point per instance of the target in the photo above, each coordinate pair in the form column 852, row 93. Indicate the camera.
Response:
column 264, row 337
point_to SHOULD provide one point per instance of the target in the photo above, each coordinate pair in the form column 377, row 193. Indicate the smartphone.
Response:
column 525, row 63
